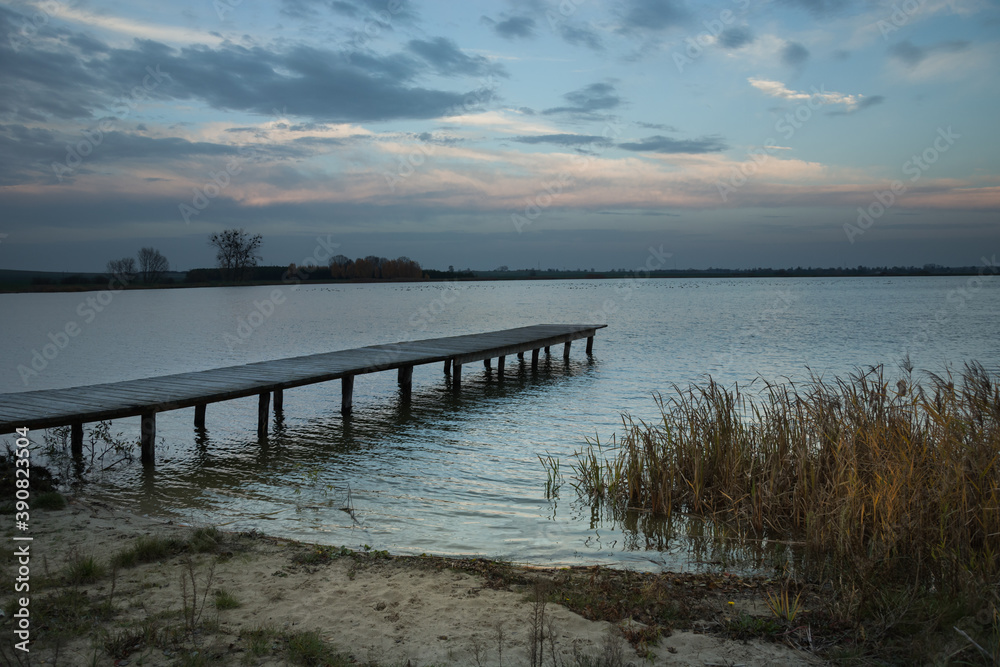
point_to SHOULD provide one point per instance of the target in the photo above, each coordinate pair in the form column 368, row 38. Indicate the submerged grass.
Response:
column 886, row 484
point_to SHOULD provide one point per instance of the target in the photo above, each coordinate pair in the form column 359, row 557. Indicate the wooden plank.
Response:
column 347, row 394
column 76, row 440
column 263, row 413
column 146, row 396
column 148, row 438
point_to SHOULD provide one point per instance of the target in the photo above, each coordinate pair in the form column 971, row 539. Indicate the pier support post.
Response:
column 199, row 416
column 279, row 401
column 566, row 349
column 590, row 345
column 148, row 438
column 406, row 381
column 263, row 412
column 546, row 350
column 346, row 394
column 447, row 366
column 500, row 365
column 520, row 355
column 486, row 364
column 76, row 440
column 456, row 376
column 534, row 359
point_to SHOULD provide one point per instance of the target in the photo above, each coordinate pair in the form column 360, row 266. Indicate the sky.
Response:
column 526, row 133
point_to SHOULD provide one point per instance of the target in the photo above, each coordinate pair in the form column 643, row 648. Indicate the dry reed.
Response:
column 872, row 473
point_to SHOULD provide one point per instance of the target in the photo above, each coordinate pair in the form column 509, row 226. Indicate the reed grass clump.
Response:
column 878, row 474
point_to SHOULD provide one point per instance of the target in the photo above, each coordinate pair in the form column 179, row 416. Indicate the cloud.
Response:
column 656, row 126
column 500, row 121
column 820, row 7
column 580, row 36
column 30, row 155
column 131, row 28
column 734, row 38
column 866, row 102
column 563, row 139
column 514, row 27
column 55, row 80
column 361, row 10
column 661, row 144
column 794, row 54
column 912, row 55
column 654, row 14
column 595, row 97
column 446, row 58
column 820, row 96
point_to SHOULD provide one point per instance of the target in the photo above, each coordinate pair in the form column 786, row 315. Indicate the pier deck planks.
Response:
column 60, row 407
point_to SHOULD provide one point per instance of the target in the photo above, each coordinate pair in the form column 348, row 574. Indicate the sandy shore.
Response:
column 379, row 610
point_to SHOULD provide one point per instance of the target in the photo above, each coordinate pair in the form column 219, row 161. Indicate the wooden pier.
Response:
column 145, row 397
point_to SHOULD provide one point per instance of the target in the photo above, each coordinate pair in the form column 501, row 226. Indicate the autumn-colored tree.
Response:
column 374, row 268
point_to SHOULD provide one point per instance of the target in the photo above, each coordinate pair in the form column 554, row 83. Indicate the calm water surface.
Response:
column 459, row 474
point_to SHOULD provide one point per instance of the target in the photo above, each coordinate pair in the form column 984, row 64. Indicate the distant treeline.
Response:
column 374, row 268
column 340, row 268
column 711, row 272
column 371, row 268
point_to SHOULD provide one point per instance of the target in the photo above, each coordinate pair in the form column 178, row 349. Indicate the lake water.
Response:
column 460, row 474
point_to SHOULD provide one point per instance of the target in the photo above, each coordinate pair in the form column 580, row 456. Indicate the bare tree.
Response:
column 236, row 252
column 152, row 265
column 123, row 268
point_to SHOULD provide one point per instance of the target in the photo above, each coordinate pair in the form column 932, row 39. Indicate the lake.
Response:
column 460, row 475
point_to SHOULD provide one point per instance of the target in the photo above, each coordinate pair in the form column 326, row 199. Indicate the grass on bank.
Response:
column 892, row 488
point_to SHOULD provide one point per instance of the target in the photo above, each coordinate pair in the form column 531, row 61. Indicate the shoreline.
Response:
column 682, row 274
column 376, row 608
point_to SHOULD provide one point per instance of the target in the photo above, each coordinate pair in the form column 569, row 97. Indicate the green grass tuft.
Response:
column 225, row 600
column 146, row 550
column 309, row 649
column 84, row 570
column 49, row 500
column 206, row 540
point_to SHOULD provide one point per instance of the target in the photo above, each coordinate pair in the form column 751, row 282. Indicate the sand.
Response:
column 383, row 610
